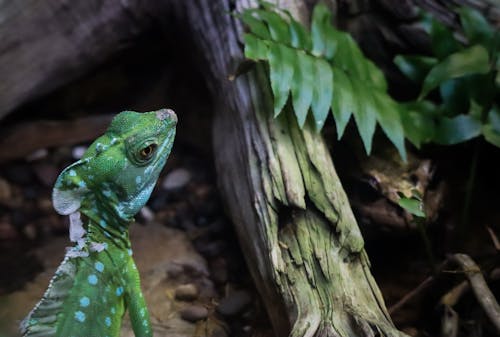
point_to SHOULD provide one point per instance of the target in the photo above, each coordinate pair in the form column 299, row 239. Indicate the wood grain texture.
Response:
column 294, row 223
column 46, row 44
column 23, row 139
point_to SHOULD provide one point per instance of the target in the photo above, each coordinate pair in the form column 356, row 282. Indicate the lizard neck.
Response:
column 106, row 226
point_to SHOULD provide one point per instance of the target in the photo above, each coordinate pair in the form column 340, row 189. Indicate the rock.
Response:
column 30, row 231
column 410, row 331
column 78, row 151
column 147, row 214
column 176, row 179
column 210, row 248
column 186, row 292
column 19, row 174
column 218, row 270
column 37, row 155
column 247, row 329
column 218, row 226
column 217, row 331
column 174, row 270
column 7, row 231
column 45, row 205
column 5, row 191
column 234, row 303
column 194, row 313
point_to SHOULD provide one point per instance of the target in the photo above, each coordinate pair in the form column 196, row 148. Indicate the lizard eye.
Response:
column 147, row 152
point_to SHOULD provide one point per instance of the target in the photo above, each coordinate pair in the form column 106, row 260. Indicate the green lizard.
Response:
column 98, row 279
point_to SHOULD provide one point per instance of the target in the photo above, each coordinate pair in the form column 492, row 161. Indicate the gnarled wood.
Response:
column 294, row 222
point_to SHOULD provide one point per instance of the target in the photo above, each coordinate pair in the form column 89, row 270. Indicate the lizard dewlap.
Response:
column 98, row 279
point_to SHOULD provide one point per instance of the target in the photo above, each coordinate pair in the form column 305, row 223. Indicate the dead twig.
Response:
column 479, row 286
column 419, row 289
column 494, row 238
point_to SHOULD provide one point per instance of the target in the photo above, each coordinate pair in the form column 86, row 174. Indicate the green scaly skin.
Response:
column 98, row 279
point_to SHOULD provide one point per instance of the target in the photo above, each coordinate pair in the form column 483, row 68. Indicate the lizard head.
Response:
column 120, row 168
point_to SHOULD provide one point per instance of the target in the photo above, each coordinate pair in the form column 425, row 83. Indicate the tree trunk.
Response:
column 46, row 44
column 292, row 216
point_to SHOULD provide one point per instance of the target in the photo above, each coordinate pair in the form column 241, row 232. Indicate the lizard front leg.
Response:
column 138, row 311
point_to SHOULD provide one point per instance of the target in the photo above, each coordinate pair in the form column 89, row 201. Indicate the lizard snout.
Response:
column 166, row 113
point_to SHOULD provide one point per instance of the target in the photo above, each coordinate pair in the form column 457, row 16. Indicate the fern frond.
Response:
column 321, row 70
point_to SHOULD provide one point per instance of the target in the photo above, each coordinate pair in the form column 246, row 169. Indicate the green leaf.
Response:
column 255, row 48
column 442, row 41
column 278, row 27
column 482, row 88
column 418, row 122
column 321, row 28
column 322, row 92
column 302, row 85
column 343, row 101
column 256, row 26
column 497, row 76
column 365, row 114
column 389, row 119
column 299, row 36
column 281, row 68
column 494, row 118
column 349, row 57
column 475, row 110
column 412, row 206
column 415, row 67
column 491, row 135
column 468, row 61
column 491, row 130
column 476, row 27
column 458, row 129
column 455, row 94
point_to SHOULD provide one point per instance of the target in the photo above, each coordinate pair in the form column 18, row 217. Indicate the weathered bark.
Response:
column 46, row 44
column 20, row 141
column 298, row 233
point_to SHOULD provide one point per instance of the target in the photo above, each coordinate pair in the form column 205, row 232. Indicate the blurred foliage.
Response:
column 323, row 69
column 463, row 80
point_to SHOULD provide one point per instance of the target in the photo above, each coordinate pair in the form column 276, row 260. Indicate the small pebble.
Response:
column 175, row 270
column 218, row 270
column 210, row 248
column 234, row 303
column 411, row 331
column 194, row 313
column 19, row 174
column 147, row 214
column 7, row 231
column 30, row 231
column 186, row 292
column 37, row 155
column 217, row 331
column 176, row 179
column 78, row 151
column 46, row 173
column 45, row 205
column 247, row 329
column 5, row 190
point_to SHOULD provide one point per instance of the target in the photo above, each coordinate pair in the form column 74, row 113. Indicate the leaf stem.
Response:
column 469, row 189
column 427, row 244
